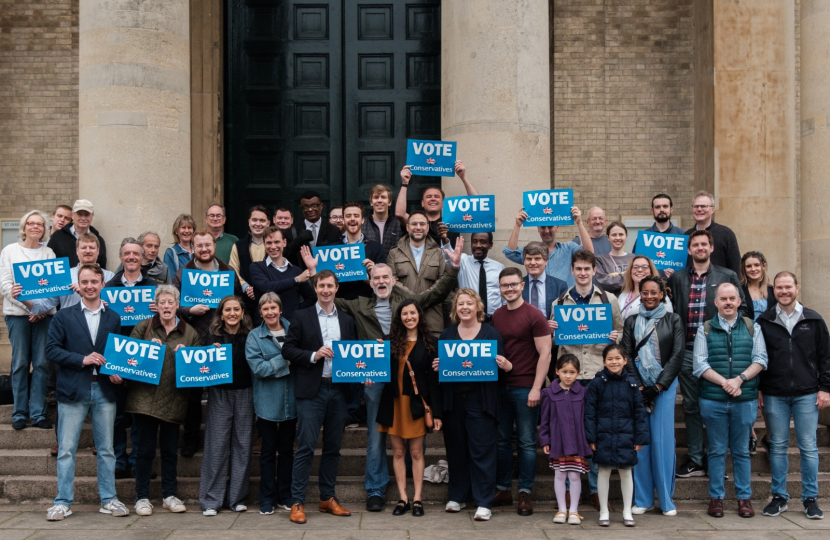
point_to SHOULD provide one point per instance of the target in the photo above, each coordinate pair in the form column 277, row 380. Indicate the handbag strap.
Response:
column 643, row 342
column 412, row 375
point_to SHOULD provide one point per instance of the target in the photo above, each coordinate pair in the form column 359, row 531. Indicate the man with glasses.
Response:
column 215, row 221
column 322, row 232
column 336, row 217
column 596, row 223
column 726, row 252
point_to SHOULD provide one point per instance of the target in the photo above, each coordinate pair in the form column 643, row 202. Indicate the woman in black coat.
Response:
column 402, row 404
column 656, row 338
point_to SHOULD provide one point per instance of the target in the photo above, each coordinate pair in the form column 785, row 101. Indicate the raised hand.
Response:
column 455, row 254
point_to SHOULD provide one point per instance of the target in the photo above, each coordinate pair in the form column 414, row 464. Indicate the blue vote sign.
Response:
column 204, row 366
column 131, row 303
column 463, row 360
column 208, row 288
column 356, row 361
column 345, row 260
column 548, row 207
column 666, row 251
column 584, row 324
column 470, row 214
column 43, row 279
column 431, row 158
column 133, row 359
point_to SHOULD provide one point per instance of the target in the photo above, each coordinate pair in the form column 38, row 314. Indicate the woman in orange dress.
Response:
column 401, row 411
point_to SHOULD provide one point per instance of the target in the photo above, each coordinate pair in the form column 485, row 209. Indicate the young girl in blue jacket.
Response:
column 616, row 429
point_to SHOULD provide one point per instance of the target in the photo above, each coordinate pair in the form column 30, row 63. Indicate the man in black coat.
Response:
column 353, row 219
column 320, row 404
column 725, row 252
column 63, row 242
column 323, row 233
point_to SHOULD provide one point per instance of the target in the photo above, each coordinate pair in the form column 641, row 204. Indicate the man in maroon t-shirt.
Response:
column 527, row 344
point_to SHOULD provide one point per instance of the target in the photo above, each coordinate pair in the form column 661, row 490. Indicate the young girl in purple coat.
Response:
column 562, row 434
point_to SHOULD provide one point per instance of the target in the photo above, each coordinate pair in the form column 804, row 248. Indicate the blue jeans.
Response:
column 804, row 413
column 377, row 472
column 656, row 462
column 513, row 409
column 28, row 342
column 727, row 423
column 70, row 422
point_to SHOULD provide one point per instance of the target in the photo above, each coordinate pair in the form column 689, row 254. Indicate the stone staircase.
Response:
column 28, row 472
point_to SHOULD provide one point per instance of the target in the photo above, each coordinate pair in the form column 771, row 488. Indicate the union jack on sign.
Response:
column 360, row 364
column 204, row 369
column 129, row 309
column 340, row 266
column 430, row 161
column 661, row 254
column 132, row 361
column 43, row 281
column 466, row 364
column 548, row 210
column 207, row 292
column 467, row 217
column 583, row 327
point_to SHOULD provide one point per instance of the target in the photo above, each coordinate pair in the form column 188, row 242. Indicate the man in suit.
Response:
column 76, row 342
column 320, row 403
column 540, row 288
column 323, row 233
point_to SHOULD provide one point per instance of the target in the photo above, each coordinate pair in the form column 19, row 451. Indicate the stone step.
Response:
column 822, row 435
column 350, row 489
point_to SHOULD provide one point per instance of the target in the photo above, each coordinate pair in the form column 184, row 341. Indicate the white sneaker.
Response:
column 58, row 512
column 209, row 512
column 239, row 508
column 143, row 507
column 174, row 504
column 637, row 510
column 282, row 507
column 116, row 508
column 670, row 512
column 266, row 512
column 453, row 506
column 482, row 514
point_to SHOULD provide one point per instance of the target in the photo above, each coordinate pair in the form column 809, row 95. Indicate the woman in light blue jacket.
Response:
column 274, row 404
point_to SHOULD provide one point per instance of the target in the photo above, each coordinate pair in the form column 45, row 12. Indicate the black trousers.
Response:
column 470, row 435
column 150, row 430
column 193, row 420
column 275, row 472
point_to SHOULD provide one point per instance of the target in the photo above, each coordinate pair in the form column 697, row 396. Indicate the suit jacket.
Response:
column 67, row 344
column 554, row 288
column 305, row 338
column 328, row 235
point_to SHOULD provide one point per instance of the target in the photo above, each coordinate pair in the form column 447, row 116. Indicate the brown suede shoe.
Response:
column 297, row 513
column 716, row 507
column 525, row 506
column 333, row 507
column 745, row 508
column 503, row 498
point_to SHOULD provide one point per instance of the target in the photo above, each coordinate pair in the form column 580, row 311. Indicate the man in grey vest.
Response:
column 729, row 353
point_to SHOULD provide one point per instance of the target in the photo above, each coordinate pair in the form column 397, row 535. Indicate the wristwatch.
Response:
column 743, row 377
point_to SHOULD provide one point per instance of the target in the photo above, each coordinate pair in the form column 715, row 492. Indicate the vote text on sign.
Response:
column 356, row 361
column 470, row 214
column 131, row 303
column 583, row 324
column 43, row 279
column 204, row 366
column 346, row 261
column 666, row 251
column 133, row 359
column 431, row 158
column 467, row 360
column 207, row 288
column 548, row 207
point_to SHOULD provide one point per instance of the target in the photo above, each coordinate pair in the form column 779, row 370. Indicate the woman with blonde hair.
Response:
column 180, row 253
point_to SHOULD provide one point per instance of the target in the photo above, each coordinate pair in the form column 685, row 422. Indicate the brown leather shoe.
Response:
column 298, row 513
column 716, row 507
column 503, row 498
column 333, row 507
column 595, row 501
column 745, row 508
column 525, row 506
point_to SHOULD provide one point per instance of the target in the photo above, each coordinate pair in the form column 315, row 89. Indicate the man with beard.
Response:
column 353, row 225
column 693, row 296
column 478, row 272
column 662, row 208
column 373, row 317
column 250, row 249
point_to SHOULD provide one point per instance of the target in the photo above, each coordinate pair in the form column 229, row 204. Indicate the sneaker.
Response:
column 753, row 446
column 776, row 506
column 174, row 504
column 811, row 509
column 637, row 510
column 143, row 507
column 116, row 508
column 670, row 513
column 266, row 510
column 43, row 424
column 239, row 508
column 209, row 512
column 561, row 517
column 454, row 507
column 283, row 507
column 574, row 519
column 19, row 424
column 690, row 469
column 58, row 512
column 482, row 514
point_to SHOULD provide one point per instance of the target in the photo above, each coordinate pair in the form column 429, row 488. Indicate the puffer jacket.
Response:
column 615, row 419
column 165, row 401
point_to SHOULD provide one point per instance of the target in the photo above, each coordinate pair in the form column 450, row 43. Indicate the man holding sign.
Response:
column 77, row 339
column 353, row 221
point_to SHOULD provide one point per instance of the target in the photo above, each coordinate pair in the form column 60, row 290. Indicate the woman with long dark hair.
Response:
column 404, row 402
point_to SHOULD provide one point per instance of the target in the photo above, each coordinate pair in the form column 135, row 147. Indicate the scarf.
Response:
column 644, row 325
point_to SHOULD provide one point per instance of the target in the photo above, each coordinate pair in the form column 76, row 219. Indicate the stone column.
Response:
column 754, row 126
column 495, row 100
column 815, row 155
column 134, row 141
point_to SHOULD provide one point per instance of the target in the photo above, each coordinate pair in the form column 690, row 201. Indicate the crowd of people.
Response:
column 719, row 331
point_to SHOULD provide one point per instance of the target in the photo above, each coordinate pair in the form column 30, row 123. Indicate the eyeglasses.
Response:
column 37, row 224
column 508, row 286
column 215, row 216
column 202, row 246
column 641, row 268
column 310, row 206
column 701, row 206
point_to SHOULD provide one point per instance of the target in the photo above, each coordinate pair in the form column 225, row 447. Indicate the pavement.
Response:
column 28, row 521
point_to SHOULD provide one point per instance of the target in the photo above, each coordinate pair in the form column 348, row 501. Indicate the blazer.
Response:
column 67, row 344
column 328, row 235
column 303, row 339
column 554, row 288
column 671, row 337
column 425, row 377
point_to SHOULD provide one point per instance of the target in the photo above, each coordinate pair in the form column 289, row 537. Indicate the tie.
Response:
column 534, row 293
column 482, row 284
column 314, row 234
